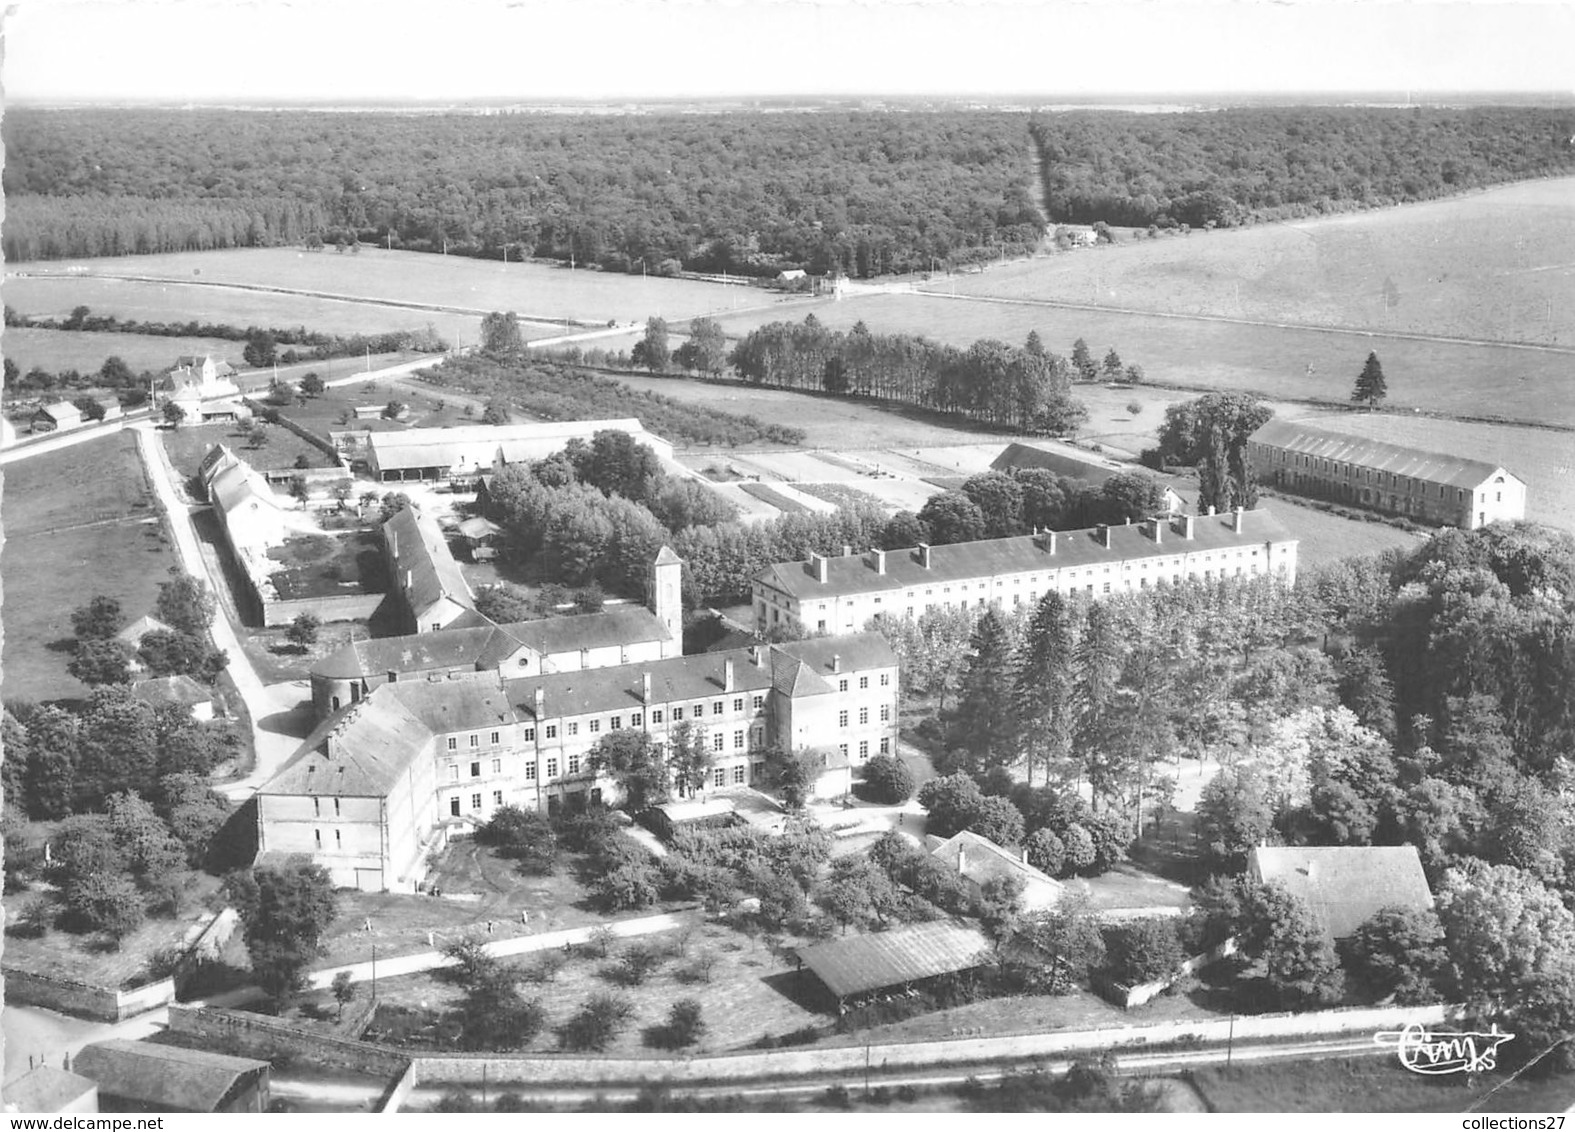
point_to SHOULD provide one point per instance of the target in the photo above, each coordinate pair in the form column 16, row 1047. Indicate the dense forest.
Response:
column 863, row 193
column 1238, row 166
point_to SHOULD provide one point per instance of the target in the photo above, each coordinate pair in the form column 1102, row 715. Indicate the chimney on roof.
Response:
column 409, row 580
column 1187, row 526
column 1045, row 541
column 727, row 675
column 1211, row 509
column 847, row 550
column 836, row 662
column 1159, row 531
column 1235, row 523
column 757, row 654
column 645, row 687
column 817, row 567
column 541, row 702
column 922, row 554
column 878, row 560
column 1104, row 535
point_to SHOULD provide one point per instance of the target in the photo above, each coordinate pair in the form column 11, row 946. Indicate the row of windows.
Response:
column 637, row 719
column 864, row 716
column 864, row 748
column 1368, row 475
column 474, row 740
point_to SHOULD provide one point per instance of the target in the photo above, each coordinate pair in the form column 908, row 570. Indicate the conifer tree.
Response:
column 1370, row 387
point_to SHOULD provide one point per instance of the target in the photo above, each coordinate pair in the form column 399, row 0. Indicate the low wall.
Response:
column 211, row 937
column 398, row 1091
column 322, row 443
column 1128, row 997
column 467, row 1069
column 335, row 607
column 254, row 1035
column 84, row 1000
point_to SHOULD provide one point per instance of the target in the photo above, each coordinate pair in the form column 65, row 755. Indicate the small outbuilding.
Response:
column 1345, row 884
column 978, row 860
column 47, row 1089
column 144, row 1077
column 858, row 966
column 58, row 417
column 180, row 690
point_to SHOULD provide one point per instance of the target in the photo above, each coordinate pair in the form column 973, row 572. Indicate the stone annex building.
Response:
column 838, row 595
column 1430, row 487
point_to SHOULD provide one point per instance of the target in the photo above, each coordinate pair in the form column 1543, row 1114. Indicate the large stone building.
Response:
column 842, row 594
column 385, row 781
column 468, row 451
column 623, row 634
column 1430, row 487
column 431, row 586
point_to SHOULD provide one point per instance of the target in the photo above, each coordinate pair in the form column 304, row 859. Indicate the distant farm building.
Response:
column 47, row 1089
column 861, row 966
column 59, row 417
column 144, row 1077
column 181, row 691
column 1430, row 487
column 1344, row 885
column 469, row 451
column 425, row 574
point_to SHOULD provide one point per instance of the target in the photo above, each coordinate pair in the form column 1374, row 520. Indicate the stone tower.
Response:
column 667, row 596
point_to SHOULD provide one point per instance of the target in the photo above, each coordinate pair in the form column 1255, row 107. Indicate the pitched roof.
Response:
column 980, row 860
column 1021, row 455
column 216, row 458
column 239, row 485
column 421, row 553
column 446, row 447
column 620, row 625
column 674, row 680
column 360, row 750
column 1344, row 885
column 59, row 410
column 132, row 634
column 46, row 1089
column 178, row 689
column 1020, row 554
column 190, row 1080
column 1413, row 463
column 860, row 963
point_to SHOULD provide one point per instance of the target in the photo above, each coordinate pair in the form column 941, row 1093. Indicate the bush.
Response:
column 1142, row 951
column 1045, row 851
column 683, row 1028
column 888, row 780
column 598, row 1022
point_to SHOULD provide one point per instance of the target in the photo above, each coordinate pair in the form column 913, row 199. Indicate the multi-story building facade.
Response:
column 385, row 780
column 843, row 594
column 1429, row 487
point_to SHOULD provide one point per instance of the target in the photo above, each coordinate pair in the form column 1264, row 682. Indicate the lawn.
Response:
column 1370, row 1084
column 334, row 410
column 1273, row 361
column 188, row 444
column 1494, row 265
column 57, row 350
column 277, row 660
column 327, row 565
column 79, row 521
column 477, row 285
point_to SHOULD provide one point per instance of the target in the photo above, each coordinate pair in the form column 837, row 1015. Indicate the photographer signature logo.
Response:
column 1444, row 1051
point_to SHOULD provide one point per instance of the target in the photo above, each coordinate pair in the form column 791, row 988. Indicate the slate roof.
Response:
column 1021, row 554
column 1020, row 455
column 1346, row 884
column 419, row 549
column 980, row 860
column 46, row 1089
column 676, row 680
column 1413, row 463
column 239, row 484
column 359, row 751
column 621, row 625
column 189, row 1080
column 60, row 410
column 181, row 690
column 132, row 634
column 860, row 963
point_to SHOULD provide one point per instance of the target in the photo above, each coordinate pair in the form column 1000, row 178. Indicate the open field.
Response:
column 79, row 522
column 55, row 296
column 529, row 289
column 1496, row 265
column 1273, row 361
column 57, row 350
column 1370, row 1084
column 1544, row 458
column 188, row 444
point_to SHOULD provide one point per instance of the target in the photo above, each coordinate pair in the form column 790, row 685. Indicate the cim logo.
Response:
column 1444, row 1051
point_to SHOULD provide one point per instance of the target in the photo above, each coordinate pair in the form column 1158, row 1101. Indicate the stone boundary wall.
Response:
column 321, row 443
column 1127, row 997
column 398, row 1091
column 337, row 607
column 84, row 1000
column 254, row 1035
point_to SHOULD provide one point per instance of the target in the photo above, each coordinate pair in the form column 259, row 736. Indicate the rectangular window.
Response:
column 740, row 775
column 738, row 704
column 720, row 777
column 317, row 835
column 864, row 716
column 453, row 772
column 338, row 840
column 885, row 679
column 716, row 708
column 842, row 719
column 738, row 740
column 698, row 711
column 616, row 723
column 842, row 685
column 494, row 738
column 656, row 716
column 596, row 726
column 336, row 807
column 864, row 683
column 475, row 741
column 552, row 732
column 497, row 797
column 678, row 715
column 842, row 749
column 634, row 719
column 475, row 801
column 885, row 746
column 530, row 772
column 574, row 764
column 453, row 743
column 572, row 728
column 530, row 733
column 317, row 807
column 759, row 702
column 475, row 770
column 864, row 748
column 552, row 768
column 885, row 713
column 716, row 741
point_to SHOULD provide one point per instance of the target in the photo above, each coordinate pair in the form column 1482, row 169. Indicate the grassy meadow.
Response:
column 79, row 521
column 57, row 350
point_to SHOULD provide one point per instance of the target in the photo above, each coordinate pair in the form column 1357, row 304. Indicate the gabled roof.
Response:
column 1022, row 554
column 360, row 751
column 675, row 680
column 1413, row 463
column 239, row 486
column 132, row 634
column 179, row 689
column 621, row 625
column 46, row 1089
column 189, row 1080
column 416, row 652
column 60, row 410
column 216, row 460
column 860, row 963
column 980, row 860
column 1344, row 885
column 1022, row 455
column 421, row 553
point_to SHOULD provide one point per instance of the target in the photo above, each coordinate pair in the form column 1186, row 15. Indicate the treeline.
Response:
column 321, row 345
column 562, row 393
column 861, row 193
column 1025, row 388
column 1238, row 166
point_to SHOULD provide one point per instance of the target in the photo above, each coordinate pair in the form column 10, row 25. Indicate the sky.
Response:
column 534, row 50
